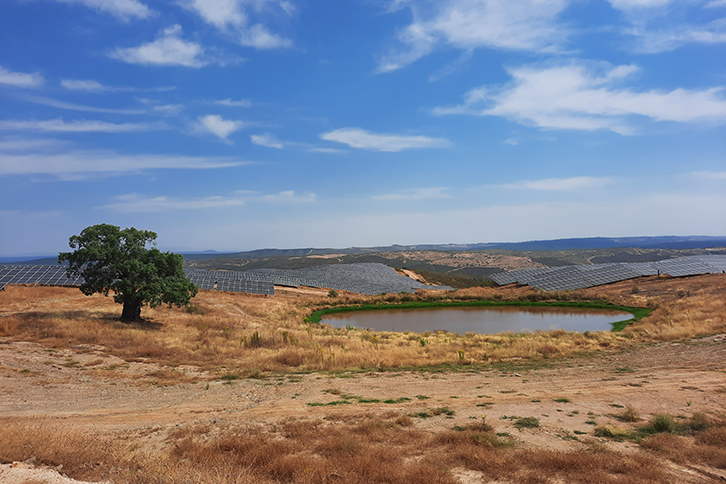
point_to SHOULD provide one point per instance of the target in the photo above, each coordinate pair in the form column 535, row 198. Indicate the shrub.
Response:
column 663, row 423
column 629, row 415
column 526, row 422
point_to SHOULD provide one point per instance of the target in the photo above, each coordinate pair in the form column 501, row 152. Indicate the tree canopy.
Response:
column 113, row 260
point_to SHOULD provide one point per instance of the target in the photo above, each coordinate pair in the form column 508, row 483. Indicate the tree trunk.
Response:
column 131, row 311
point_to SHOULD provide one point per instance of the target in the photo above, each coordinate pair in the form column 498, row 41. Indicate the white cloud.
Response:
column 31, row 144
column 267, row 140
column 78, row 107
column 90, row 85
column 218, row 126
column 84, row 85
column 664, row 40
column 525, row 25
column 288, row 196
column 82, row 164
column 659, row 25
column 511, row 141
column 575, row 97
column 626, row 5
column 329, row 151
column 242, row 103
column 234, row 16
column 416, row 194
column 360, row 138
column 19, row 79
column 260, row 37
column 573, row 184
column 81, row 126
column 123, row 9
column 168, row 109
column 134, row 203
column 169, row 49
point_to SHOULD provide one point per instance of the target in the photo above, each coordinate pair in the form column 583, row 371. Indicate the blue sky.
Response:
column 244, row 124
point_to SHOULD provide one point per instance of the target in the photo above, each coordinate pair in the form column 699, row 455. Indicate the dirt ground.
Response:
column 38, row 384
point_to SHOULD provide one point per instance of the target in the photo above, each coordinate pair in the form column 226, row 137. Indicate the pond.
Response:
column 489, row 320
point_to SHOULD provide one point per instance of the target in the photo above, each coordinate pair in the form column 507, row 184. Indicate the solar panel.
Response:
column 577, row 277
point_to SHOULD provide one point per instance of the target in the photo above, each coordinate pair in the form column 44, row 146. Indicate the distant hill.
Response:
column 587, row 243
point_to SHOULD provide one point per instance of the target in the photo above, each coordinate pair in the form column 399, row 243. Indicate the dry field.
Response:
column 237, row 389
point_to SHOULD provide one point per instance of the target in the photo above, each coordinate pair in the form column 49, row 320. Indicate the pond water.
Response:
column 490, row 320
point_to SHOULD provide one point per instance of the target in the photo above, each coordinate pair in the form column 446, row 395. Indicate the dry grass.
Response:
column 253, row 335
column 357, row 449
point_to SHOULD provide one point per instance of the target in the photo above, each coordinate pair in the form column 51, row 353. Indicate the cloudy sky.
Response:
column 245, row 124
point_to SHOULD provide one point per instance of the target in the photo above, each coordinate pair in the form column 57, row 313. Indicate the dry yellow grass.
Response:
column 359, row 449
column 249, row 335
column 218, row 334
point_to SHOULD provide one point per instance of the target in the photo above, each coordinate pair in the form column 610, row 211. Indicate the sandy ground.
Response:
column 674, row 378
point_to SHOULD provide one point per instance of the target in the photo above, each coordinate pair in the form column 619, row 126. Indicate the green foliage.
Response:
column 113, row 260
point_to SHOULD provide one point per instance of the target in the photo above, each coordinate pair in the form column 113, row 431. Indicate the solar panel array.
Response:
column 46, row 275
column 365, row 278
column 368, row 278
column 580, row 277
column 230, row 281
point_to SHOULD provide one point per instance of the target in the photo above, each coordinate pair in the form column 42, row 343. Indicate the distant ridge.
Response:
column 661, row 242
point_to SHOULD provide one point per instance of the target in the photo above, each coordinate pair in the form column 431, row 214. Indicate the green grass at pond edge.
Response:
column 638, row 313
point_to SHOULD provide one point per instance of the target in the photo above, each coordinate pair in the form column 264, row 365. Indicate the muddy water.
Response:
column 479, row 320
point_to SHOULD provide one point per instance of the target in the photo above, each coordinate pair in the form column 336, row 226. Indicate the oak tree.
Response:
column 109, row 259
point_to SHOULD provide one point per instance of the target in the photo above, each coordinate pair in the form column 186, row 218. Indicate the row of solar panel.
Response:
column 580, row 277
column 367, row 278
column 56, row 276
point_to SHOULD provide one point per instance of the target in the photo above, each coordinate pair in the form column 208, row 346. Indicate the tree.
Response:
column 113, row 260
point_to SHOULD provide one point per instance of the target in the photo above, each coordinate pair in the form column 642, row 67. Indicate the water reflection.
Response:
column 479, row 320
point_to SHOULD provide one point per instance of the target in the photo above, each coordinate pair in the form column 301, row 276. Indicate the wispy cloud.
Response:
column 577, row 97
column 573, row 184
column 218, row 126
column 123, row 9
column 416, row 194
column 526, row 25
column 710, row 175
column 19, row 79
column 168, row 109
column 267, row 140
column 168, row 50
column 135, row 203
column 288, row 196
column 329, row 151
column 81, row 126
column 89, row 85
column 242, row 103
column 655, row 41
column 360, row 138
column 233, row 17
column 663, row 25
column 75, row 165
column 45, row 101
column 31, row 144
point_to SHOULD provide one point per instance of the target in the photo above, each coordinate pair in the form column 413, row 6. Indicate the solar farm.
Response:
column 365, row 278
column 584, row 276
